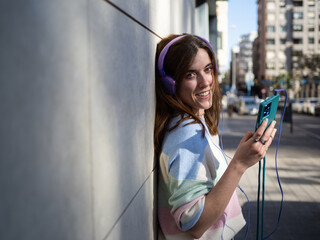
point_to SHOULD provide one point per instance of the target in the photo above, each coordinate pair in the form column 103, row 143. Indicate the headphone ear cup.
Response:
column 169, row 84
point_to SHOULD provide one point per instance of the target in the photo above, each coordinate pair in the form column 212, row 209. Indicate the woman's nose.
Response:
column 204, row 79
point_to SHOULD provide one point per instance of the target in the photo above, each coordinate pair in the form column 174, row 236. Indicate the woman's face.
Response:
column 197, row 85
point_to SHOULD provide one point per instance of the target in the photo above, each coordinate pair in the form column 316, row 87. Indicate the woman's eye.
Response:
column 208, row 69
column 190, row 75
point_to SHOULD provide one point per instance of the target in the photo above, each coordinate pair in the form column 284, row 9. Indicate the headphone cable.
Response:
column 276, row 162
column 244, row 193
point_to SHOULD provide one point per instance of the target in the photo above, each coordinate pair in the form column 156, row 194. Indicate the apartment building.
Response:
column 243, row 63
column 288, row 31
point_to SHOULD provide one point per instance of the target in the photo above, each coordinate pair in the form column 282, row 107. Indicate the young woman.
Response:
column 196, row 192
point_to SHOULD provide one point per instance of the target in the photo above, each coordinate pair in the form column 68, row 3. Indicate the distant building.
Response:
column 242, row 65
column 288, row 31
column 245, row 61
column 234, row 66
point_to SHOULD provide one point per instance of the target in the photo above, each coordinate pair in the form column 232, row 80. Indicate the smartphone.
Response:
column 267, row 109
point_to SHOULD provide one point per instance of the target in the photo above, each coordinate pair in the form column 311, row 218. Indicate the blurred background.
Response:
column 281, row 51
column 77, row 103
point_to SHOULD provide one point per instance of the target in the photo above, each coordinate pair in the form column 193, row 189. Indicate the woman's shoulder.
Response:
column 188, row 127
column 187, row 133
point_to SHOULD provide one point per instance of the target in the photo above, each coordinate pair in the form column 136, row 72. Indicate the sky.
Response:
column 242, row 19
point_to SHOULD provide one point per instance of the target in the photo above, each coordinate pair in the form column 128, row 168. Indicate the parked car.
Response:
column 297, row 105
column 309, row 105
column 247, row 105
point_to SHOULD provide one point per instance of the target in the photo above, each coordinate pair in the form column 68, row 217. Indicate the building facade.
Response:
column 211, row 22
column 245, row 76
column 222, row 34
column 77, row 116
column 77, row 105
column 288, row 33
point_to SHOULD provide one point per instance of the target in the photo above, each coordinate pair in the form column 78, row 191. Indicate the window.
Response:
column 271, row 6
column 283, row 41
column 311, row 15
column 281, row 55
column 282, row 16
column 282, row 65
column 311, row 3
column 270, row 55
column 297, row 53
column 311, row 28
column 270, row 65
column 271, row 17
column 282, row 3
column 283, row 28
column 311, row 40
column 297, row 28
column 297, row 3
column 271, row 29
column 298, row 15
column 295, row 65
column 270, row 41
column 297, row 40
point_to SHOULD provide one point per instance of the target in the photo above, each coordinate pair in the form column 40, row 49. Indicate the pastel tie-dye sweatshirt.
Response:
column 190, row 166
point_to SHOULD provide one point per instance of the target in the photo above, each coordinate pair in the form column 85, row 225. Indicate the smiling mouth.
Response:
column 203, row 94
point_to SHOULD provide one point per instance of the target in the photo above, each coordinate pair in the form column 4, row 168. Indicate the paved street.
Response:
column 299, row 170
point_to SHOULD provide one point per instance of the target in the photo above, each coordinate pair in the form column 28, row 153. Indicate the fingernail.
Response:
column 275, row 130
column 266, row 120
column 274, row 122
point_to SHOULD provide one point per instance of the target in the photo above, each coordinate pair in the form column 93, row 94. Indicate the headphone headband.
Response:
column 164, row 53
column 167, row 81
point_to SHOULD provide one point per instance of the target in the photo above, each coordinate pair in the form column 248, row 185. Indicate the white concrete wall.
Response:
column 77, row 114
column 222, row 27
column 201, row 20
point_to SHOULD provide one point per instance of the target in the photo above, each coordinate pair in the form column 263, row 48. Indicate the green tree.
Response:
column 284, row 79
column 309, row 66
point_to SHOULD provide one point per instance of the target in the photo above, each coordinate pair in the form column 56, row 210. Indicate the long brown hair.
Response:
column 176, row 64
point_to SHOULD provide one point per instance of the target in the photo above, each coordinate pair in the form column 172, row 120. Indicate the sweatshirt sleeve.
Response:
column 186, row 162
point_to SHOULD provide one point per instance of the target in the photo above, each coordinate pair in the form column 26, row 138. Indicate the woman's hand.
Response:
column 251, row 150
column 253, row 146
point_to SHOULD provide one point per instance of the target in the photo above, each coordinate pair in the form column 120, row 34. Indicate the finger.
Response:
column 269, row 141
column 247, row 136
column 267, row 133
column 258, row 134
column 274, row 133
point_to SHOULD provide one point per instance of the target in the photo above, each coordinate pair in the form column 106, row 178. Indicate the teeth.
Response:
column 203, row 94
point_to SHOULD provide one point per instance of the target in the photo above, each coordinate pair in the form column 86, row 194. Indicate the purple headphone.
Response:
column 168, row 82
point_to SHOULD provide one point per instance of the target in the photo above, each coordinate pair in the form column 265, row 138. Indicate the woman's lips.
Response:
column 203, row 94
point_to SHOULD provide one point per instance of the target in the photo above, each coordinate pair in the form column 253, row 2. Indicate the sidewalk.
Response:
column 299, row 170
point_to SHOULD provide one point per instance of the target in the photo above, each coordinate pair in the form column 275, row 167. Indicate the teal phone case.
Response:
column 268, row 109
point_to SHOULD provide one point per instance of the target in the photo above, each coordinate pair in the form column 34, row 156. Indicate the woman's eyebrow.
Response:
column 193, row 70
